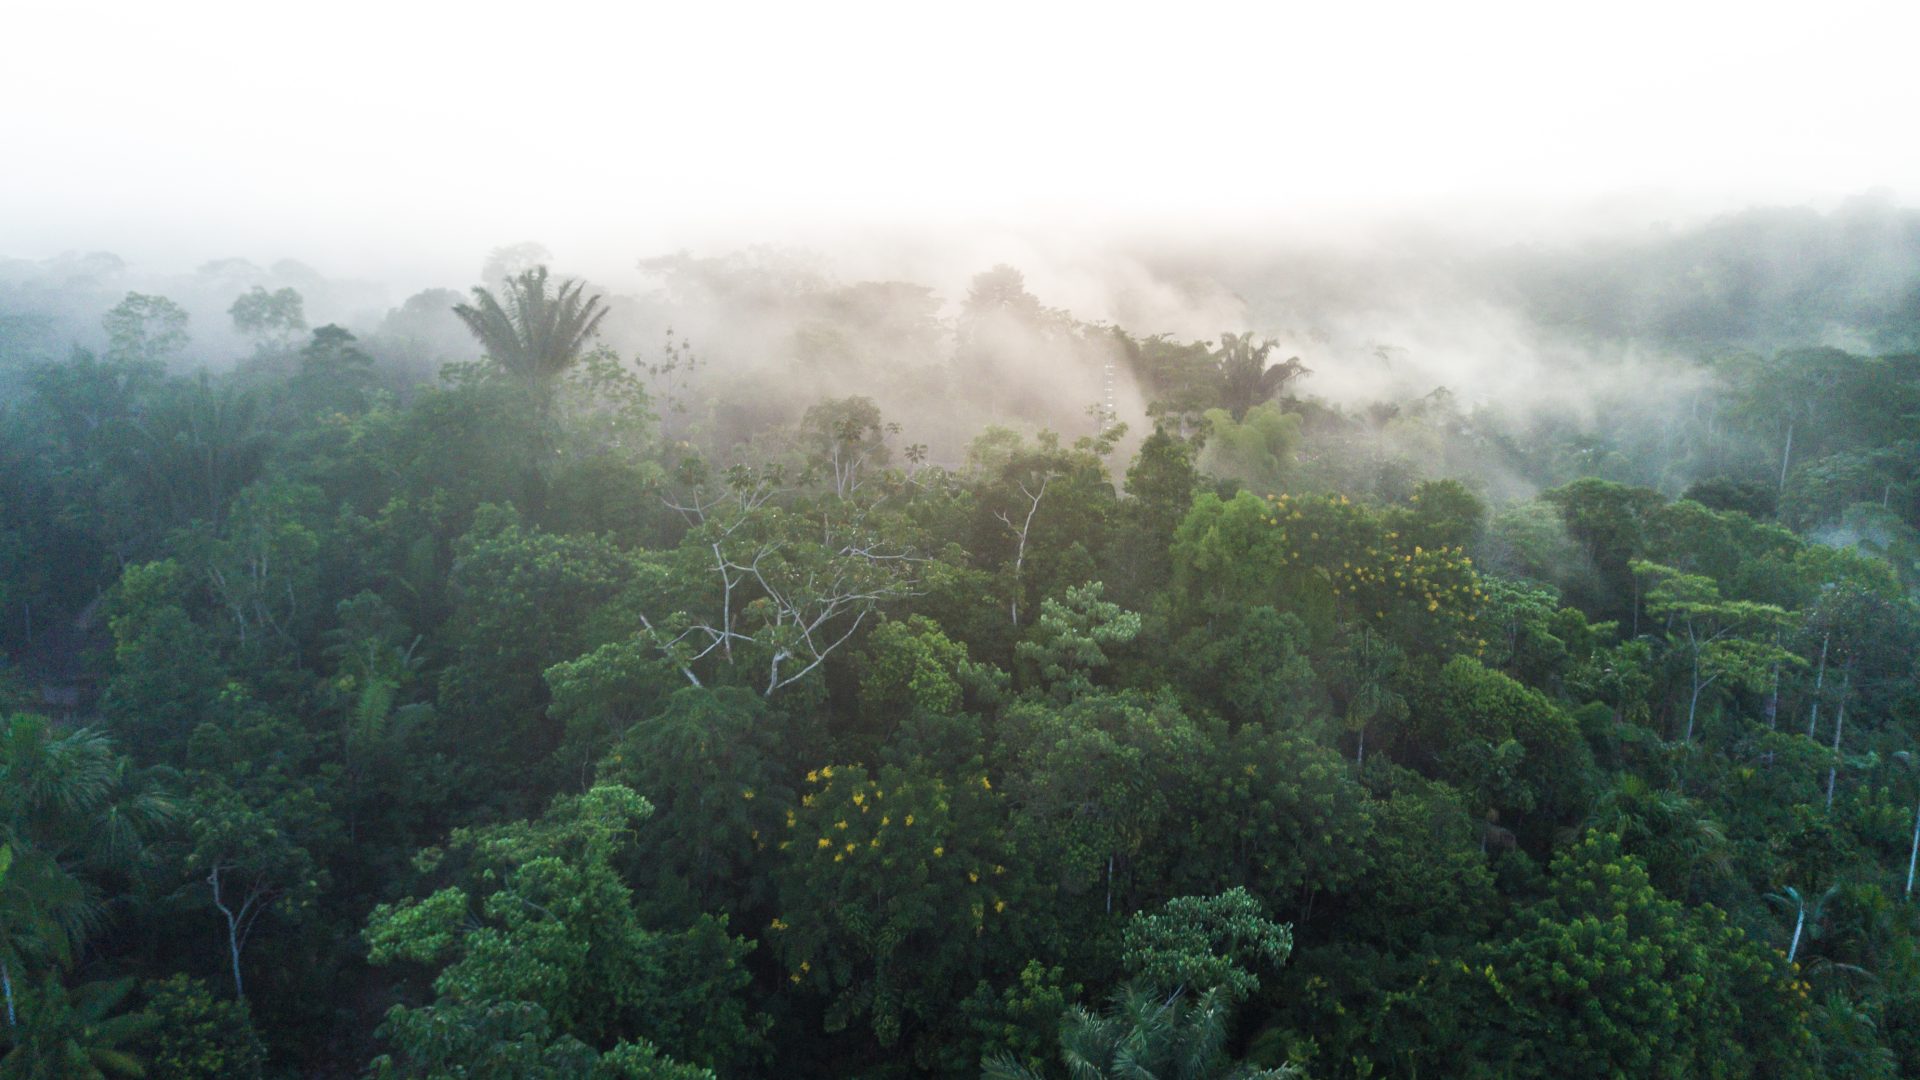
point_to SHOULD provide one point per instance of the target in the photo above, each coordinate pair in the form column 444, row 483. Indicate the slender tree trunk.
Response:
column 235, row 935
column 1786, row 456
column 1914, row 855
column 1813, row 718
column 1360, row 749
column 6, row 977
column 233, row 950
column 1773, row 696
column 1839, row 725
column 1799, row 921
column 1693, row 703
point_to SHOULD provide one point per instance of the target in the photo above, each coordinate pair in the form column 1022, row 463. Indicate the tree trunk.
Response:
column 1773, row 696
column 1799, row 921
column 1839, row 725
column 233, row 950
column 1786, row 456
column 1813, row 718
column 6, row 977
column 1914, row 855
column 1693, row 703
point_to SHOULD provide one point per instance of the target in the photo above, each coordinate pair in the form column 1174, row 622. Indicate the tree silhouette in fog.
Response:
column 1246, row 380
column 536, row 333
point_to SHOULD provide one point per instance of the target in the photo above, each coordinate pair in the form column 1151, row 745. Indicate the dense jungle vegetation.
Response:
column 517, row 706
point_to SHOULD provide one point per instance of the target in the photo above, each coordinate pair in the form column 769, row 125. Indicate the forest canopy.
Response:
column 774, row 674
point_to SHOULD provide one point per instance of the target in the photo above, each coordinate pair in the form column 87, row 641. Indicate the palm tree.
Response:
column 63, row 811
column 535, row 334
column 1811, row 921
column 192, row 450
column 1670, row 830
column 72, row 1035
column 1246, row 380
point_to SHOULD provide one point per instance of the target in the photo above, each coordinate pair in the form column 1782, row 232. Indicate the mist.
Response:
column 866, row 540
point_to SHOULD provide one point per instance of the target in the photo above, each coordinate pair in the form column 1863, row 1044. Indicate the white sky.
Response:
column 356, row 135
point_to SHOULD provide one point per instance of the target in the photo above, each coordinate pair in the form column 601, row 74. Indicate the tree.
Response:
column 271, row 318
column 67, row 813
column 774, row 586
column 1251, row 665
column 536, row 334
column 845, row 439
column 537, row 924
column 1066, row 642
column 1807, row 920
column 895, row 894
column 197, row 1036
column 1723, row 640
column 1364, row 675
column 1096, row 784
column 1505, row 745
column 505, row 263
column 145, row 329
column 1255, row 449
column 1192, row 962
column 250, row 864
column 1246, row 379
column 74, row 1034
column 191, row 450
column 1670, row 832
column 335, row 375
column 525, row 599
column 717, row 762
column 1144, row 1034
column 1606, row 977
column 1610, row 521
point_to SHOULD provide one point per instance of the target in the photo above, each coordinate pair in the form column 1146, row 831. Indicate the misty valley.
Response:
column 1427, row 657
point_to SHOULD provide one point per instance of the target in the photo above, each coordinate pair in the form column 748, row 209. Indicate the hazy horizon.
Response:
column 405, row 143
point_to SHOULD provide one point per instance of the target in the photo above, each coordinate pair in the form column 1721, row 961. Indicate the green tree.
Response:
column 249, row 859
column 1730, row 641
column 539, row 331
column 895, row 894
column 69, row 815
column 539, row 925
column 1606, row 977
column 74, row 1034
column 271, row 318
column 1507, row 747
column 196, row 1036
column 716, row 760
column 1254, row 449
column 1192, row 962
column 145, row 329
column 1364, row 677
column 1246, row 379
column 1068, row 643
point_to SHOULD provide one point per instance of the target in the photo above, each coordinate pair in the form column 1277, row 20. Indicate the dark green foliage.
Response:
column 535, row 335
column 502, row 728
column 73, row 1033
column 538, row 929
column 196, row 1036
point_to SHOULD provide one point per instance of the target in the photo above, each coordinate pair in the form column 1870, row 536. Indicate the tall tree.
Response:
column 144, row 329
column 1246, row 379
column 538, row 332
column 273, row 319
